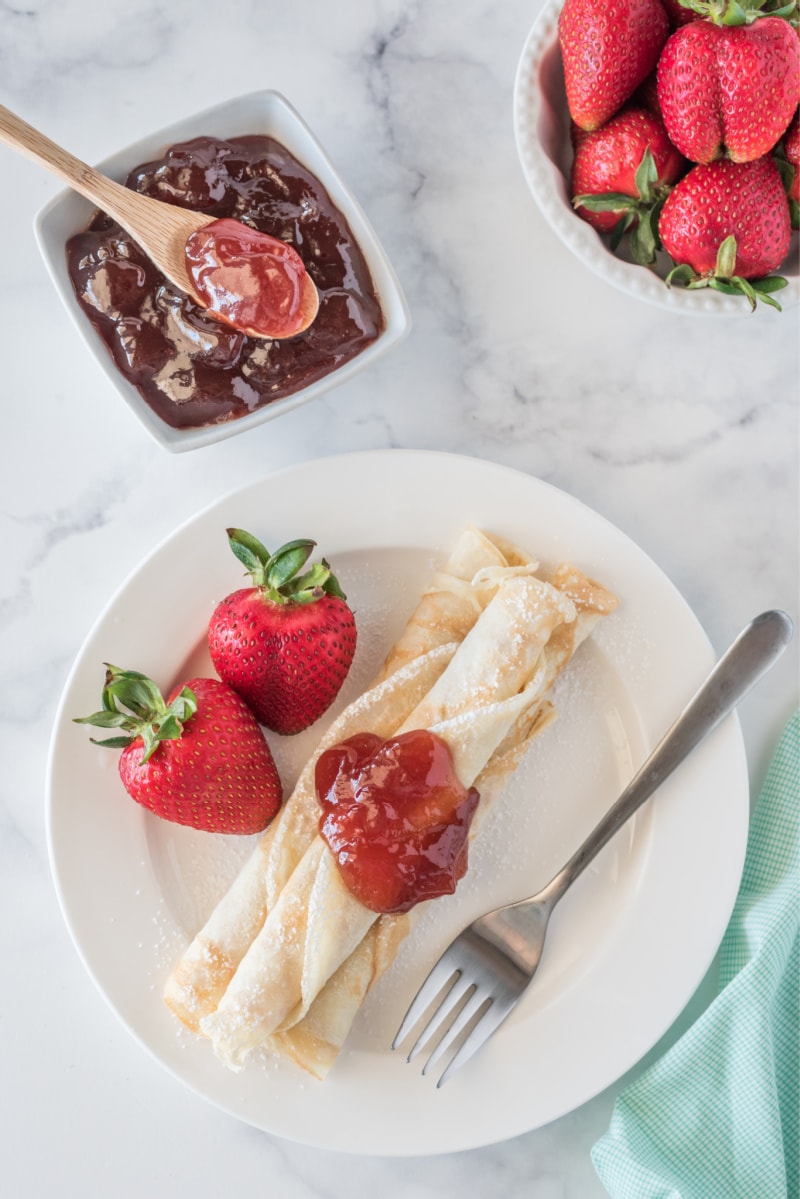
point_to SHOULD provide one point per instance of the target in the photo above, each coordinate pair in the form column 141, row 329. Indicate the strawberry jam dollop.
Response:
column 395, row 816
column 247, row 279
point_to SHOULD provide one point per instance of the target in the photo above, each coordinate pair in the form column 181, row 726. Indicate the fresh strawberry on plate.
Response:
column 286, row 643
column 198, row 758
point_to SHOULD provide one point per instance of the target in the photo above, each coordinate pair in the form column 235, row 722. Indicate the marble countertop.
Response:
column 682, row 433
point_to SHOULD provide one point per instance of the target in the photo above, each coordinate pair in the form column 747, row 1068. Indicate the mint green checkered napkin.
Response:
column 717, row 1116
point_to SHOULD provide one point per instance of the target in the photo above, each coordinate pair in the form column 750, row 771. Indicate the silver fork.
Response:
column 483, row 973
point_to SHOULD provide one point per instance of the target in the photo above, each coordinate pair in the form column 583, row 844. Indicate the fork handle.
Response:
column 756, row 648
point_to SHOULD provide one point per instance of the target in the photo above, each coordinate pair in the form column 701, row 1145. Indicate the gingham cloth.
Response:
column 717, row 1116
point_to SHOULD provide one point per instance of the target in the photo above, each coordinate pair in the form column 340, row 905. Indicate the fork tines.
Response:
column 460, row 1014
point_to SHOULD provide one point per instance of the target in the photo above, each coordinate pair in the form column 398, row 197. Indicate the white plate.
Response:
column 541, row 128
column 629, row 943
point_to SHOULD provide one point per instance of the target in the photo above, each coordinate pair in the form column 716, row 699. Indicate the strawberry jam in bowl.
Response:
column 192, row 369
column 194, row 376
column 621, row 157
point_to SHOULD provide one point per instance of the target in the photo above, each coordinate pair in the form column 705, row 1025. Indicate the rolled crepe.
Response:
column 315, row 1041
column 448, row 608
column 456, row 595
column 200, row 977
column 495, row 681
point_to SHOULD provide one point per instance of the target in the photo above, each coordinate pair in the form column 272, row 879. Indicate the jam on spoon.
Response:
column 250, row 280
column 395, row 816
column 244, row 276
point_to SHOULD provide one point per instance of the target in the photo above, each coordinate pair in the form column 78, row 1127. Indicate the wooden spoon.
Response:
column 161, row 230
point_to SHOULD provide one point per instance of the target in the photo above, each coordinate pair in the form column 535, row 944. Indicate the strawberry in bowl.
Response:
column 621, row 175
column 727, row 226
column 611, row 219
column 729, row 90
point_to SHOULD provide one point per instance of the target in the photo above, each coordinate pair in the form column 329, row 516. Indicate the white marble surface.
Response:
column 683, row 434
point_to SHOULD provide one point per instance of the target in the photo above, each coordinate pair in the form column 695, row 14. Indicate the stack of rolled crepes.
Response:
column 288, row 955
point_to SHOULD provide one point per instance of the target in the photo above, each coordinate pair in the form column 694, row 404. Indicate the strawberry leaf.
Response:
column 646, row 177
column 621, row 228
column 286, row 562
column 681, row 274
column 170, row 728
column 278, row 575
column 740, row 12
column 726, row 258
column 133, row 691
column 250, row 552
column 780, row 10
column 310, row 586
column 111, row 742
column 769, row 284
column 133, row 702
column 728, row 287
column 785, row 169
column 752, row 290
column 644, row 240
column 734, row 14
column 104, row 719
column 734, row 287
column 331, row 584
column 607, row 202
column 183, row 705
column 767, row 299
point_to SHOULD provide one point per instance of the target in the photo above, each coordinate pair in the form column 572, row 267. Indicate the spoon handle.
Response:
column 756, row 648
column 19, row 135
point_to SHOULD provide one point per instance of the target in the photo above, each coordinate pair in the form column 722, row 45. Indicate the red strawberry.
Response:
column 646, row 95
column 680, row 13
column 608, row 48
column 286, row 643
column 198, row 759
column 621, row 175
column 791, row 154
column 727, row 226
column 729, row 91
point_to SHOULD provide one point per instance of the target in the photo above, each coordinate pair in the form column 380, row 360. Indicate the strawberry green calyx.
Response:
column 741, row 12
column 133, row 704
column 277, row 575
column 638, row 213
column 725, row 280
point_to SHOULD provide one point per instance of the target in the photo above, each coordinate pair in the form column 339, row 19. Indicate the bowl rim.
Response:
column 265, row 111
column 549, row 188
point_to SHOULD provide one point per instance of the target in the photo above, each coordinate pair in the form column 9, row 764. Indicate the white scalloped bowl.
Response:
column 264, row 112
column 541, row 126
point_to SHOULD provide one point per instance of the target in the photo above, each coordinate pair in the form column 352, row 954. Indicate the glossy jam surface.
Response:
column 396, row 817
column 248, row 279
column 189, row 367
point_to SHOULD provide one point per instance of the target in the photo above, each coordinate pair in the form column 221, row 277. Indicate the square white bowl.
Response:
column 267, row 113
